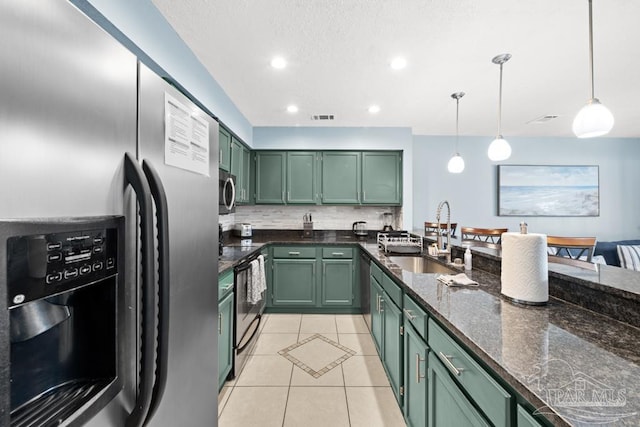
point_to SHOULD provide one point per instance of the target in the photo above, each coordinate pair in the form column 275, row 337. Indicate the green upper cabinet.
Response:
column 301, row 177
column 381, row 178
column 341, row 177
column 270, row 177
column 246, row 174
column 225, row 149
column 240, row 166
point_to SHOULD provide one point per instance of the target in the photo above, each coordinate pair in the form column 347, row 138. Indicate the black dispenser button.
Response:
column 111, row 262
column 54, row 246
column 53, row 277
column 98, row 240
column 85, row 269
column 71, row 273
column 97, row 249
column 97, row 266
column 54, row 257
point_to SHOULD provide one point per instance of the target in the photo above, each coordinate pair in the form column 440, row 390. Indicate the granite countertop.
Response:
column 575, row 366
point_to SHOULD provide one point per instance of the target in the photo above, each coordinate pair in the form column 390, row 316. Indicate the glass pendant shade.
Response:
column 594, row 119
column 456, row 164
column 499, row 149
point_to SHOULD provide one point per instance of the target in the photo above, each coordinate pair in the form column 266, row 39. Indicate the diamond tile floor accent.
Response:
column 316, row 355
column 349, row 388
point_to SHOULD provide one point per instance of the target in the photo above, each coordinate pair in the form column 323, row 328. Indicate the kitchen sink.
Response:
column 418, row 264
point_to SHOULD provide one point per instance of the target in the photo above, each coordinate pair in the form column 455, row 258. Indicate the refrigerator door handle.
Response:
column 135, row 177
column 162, row 216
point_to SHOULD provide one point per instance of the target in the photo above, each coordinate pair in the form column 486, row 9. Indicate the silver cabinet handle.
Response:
column 220, row 324
column 409, row 314
column 289, row 196
column 294, row 253
column 229, row 286
column 418, row 376
column 381, row 303
column 221, row 155
column 337, row 253
column 364, row 196
column 447, row 360
column 378, row 303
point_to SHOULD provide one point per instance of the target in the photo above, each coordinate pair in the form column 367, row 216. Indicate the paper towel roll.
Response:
column 525, row 271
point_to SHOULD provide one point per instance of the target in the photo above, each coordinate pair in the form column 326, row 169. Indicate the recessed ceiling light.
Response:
column 374, row 109
column 278, row 63
column 292, row 108
column 398, row 63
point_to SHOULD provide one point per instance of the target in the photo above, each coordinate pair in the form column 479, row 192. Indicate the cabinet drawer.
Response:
column 416, row 315
column 332, row 252
column 225, row 284
column 392, row 289
column 376, row 272
column 294, row 252
column 490, row 397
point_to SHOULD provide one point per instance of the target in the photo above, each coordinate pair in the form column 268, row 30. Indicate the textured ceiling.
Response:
column 339, row 53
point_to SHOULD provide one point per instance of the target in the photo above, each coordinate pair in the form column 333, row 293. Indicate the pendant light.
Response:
column 499, row 149
column 456, row 164
column 594, row 119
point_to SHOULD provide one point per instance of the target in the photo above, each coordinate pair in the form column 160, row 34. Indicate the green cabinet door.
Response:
column 225, row 336
column 341, row 177
column 246, row 174
column 301, row 177
column 525, row 419
column 415, row 377
column 337, row 282
column 392, row 344
column 237, row 169
column 294, row 282
column 224, row 141
column 381, row 178
column 448, row 406
column 270, row 177
column 376, row 314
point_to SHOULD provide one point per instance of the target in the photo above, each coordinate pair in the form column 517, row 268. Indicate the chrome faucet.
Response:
column 447, row 251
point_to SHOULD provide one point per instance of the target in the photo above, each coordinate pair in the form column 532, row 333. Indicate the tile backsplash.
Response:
column 280, row 217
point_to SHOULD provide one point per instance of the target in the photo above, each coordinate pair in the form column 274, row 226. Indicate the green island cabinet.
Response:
column 313, row 279
column 224, row 140
column 225, row 326
column 240, row 168
column 387, row 327
column 416, row 352
column 381, row 177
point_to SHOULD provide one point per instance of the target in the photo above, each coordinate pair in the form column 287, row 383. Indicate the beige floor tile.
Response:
column 317, row 353
column 333, row 378
column 223, row 396
column 351, row 324
column 317, row 324
column 364, row 371
column 282, row 323
column 373, row 406
column 362, row 344
column 238, row 413
column 265, row 371
column 304, row 336
column 316, row 406
column 273, row 343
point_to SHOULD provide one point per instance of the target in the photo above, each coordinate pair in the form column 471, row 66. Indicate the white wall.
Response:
column 337, row 138
column 473, row 193
column 140, row 27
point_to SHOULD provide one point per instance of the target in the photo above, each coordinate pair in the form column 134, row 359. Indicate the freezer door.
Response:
column 193, row 241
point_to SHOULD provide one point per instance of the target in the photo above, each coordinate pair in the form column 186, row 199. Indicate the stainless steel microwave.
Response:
column 226, row 193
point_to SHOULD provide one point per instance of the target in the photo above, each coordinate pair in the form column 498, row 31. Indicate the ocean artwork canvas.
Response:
column 530, row 190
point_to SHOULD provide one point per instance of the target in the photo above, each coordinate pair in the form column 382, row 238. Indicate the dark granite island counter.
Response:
column 575, row 366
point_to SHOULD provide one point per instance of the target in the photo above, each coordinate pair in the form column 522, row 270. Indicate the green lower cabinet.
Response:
column 416, row 353
column 294, row 282
column 525, row 419
column 376, row 314
column 448, row 406
column 392, row 344
column 225, row 338
column 337, row 282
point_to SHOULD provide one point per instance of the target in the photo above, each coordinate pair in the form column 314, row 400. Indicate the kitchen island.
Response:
column 572, row 365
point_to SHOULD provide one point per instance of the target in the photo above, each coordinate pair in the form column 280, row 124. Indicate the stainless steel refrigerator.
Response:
column 73, row 102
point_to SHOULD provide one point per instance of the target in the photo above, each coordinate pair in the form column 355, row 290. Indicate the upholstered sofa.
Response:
column 609, row 250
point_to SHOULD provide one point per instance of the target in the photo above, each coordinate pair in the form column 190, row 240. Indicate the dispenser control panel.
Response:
column 40, row 265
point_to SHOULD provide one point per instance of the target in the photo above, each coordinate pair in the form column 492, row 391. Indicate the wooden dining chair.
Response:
column 432, row 229
column 567, row 249
column 485, row 237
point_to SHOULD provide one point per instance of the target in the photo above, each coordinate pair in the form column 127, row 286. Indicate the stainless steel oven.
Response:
column 226, row 193
column 248, row 315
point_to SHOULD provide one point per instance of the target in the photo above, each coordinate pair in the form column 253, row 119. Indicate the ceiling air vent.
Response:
column 543, row 119
column 322, row 117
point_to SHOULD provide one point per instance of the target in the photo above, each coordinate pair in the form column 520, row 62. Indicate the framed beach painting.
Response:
column 530, row 190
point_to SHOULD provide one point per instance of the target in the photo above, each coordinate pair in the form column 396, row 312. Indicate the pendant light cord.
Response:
column 591, row 48
column 500, row 105
column 457, row 108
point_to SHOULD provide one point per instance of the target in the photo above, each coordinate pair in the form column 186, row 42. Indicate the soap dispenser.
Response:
column 467, row 259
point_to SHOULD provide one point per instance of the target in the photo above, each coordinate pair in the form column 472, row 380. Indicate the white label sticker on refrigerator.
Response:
column 186, row 137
